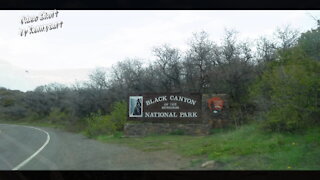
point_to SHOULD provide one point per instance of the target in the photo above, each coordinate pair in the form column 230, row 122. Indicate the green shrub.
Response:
column 7, row 102
column 119, row 114
column 291, row 90
column 283, row 119
column 31, row 116
column 310, row 42
column 98, row 124
column 57, row 116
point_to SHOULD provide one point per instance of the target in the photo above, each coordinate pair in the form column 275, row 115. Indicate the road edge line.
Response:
column 36, row 153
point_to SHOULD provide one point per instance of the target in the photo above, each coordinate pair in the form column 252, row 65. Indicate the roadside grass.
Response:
column 246, row 148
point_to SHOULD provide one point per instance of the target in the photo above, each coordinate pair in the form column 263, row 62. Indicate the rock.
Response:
column 208, row 164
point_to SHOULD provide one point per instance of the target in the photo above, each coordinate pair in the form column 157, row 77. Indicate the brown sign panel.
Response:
column 165, row 107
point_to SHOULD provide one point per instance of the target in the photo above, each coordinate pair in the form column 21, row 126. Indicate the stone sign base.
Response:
column 144, row 129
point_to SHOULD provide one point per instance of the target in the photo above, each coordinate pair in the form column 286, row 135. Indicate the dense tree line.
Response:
column 272, row 79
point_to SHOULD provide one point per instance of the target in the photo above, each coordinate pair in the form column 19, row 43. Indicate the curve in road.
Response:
column 20, row 144
column 33, row 148
column 37, row 152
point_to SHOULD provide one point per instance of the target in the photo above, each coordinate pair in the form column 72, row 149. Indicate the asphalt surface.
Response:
column 34, row 148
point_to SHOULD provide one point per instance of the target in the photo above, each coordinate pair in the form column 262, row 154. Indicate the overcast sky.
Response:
column 90, row 39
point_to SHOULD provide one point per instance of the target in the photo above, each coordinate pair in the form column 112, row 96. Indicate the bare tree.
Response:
column 199, row 62
column 236, row 70
column 169, row 66
column 127, row 77
column 230, row 49
column 287, row 37
column 98, row 78
column 266, row 50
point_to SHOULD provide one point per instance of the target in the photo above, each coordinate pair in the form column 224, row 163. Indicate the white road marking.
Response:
column 37, row 152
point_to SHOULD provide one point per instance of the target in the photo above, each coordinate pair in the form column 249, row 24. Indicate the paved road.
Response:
column 31, row 148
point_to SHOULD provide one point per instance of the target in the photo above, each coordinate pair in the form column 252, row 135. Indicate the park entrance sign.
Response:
column 173, row 113
column 165, row 107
